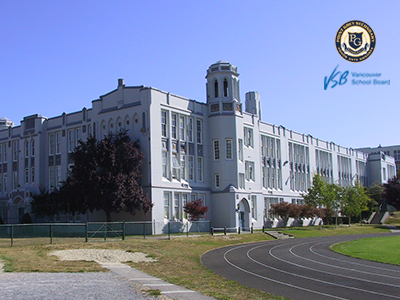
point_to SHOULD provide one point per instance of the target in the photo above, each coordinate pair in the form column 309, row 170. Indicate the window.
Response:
column 199, row 131
column 182, row 128
column 177, row 199
column 4, row 182
column 26, row 176
column 254, row 207
column 173, row 129
column 71, row 140
column 216, row 149
column 249, row 166
column 58, row 176
column 384, row 173
column 199, row 169
column 58, row 142
column 26, row 148
column 184, row 202
column 241, row 181
column 216, row 88
column 167, row 199
column 32, row 147
column 191, row 167
column 217, row 180
column 1, row 154
column 165, row 164
column 203, row 199
column 4, row 152
column 33, row 175
column 163, row 123
column 15, row 180
column 183, row 166
column 175, row 166
column 51, row 144
column 51, row 177
column 225, row 88
column 190, row 130
column 228, row 148
column 248, row 137
column 15, row 150
column 78, row 132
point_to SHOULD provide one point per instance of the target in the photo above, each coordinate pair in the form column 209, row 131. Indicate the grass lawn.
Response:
column 178, row 258
column 381, row 249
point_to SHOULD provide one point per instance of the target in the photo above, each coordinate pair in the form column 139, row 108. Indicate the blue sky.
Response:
column 58, row 56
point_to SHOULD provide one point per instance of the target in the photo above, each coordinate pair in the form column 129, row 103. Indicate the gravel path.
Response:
column 68, row 286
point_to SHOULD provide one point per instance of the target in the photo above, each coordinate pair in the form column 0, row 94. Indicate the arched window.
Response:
column 216, row 88
column 225, row 88
column 26, row 148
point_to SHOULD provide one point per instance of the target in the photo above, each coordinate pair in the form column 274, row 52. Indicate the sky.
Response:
column 58, row 56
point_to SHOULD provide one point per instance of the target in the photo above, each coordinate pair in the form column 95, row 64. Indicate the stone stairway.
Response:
column 278, row 235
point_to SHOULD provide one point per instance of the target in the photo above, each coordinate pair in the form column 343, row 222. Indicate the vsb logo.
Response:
column 355, row 41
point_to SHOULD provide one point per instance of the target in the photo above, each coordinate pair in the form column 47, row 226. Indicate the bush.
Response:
column 1, row 221
column 26, row 219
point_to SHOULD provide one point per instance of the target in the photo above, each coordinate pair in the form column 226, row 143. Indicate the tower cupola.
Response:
column 222, row 83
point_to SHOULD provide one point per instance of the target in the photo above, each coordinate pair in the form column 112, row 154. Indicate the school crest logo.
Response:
column 355, row 41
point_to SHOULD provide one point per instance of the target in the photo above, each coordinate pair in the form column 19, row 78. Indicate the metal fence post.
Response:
column 239, row 230
column 123, row 230
column 51, row 233
column 86, row 232
column 144, row 230
column 12, row 235
column 224, row 230
column 169, row 230
column 187, row 229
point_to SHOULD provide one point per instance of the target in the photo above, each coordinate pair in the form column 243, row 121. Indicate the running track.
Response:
column 306, row 269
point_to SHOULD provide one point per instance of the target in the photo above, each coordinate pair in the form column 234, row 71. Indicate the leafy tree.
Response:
column 45, row 203
column 195, row 209
column 375, row 192
column 1, row 221
column 316, row 193
column 26, row 219
column 354, row 200
column 105, row 176
column 392, row 192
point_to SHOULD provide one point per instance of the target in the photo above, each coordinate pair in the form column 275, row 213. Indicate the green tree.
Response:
column 316, row 193
column 354, row 200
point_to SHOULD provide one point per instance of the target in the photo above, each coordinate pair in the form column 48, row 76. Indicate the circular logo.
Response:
column 355, row 41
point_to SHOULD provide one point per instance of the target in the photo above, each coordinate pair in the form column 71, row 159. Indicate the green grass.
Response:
column 380, row 249
column 311, row 231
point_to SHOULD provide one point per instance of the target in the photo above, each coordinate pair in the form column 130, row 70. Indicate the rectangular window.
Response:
column 15, row 180
column 241, row 181
column 199, row 169
column 51, row 177
column 182, row 128
column 249, row 166
column 193, row 197
column 33, row 175
column 183, row 166
column 173, row 128
column 199, row 131
column 15, row 150
column 191, row 167
column 78, row 132
column 26, row 176
column 1, row 154
column 163, row 123
column 228, row 148
column 26, row 148
column 71, row 140
column 216, row 149
column 4, row 182
column 51, row 144
column 4, row 152
column 254, row 207
column 248, row 137
column 177, row 211
column 58, row 142
column 175, row 166
column 32, row 148
column 58, row 176
column 217, row 180
column 165, row 164
column 190, row 130
column 184, row 202
column 203, row 199
column 167, row 199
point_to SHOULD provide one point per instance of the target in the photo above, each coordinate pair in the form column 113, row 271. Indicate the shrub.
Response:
column 26, row 219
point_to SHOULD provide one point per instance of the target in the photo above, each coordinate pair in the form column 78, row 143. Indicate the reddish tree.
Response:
column 195, row 209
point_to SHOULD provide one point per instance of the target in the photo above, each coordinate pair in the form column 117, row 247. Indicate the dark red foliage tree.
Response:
column 391, row 192
column 195, row 209
column 105, row 175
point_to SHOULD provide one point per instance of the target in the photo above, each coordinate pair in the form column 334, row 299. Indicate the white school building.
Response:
column 220, row 151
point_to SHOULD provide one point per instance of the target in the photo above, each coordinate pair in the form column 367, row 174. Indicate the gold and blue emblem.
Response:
column 355, row 41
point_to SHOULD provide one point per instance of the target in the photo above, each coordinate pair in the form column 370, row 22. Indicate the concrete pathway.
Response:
column 168, row 289
column 392, row 228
